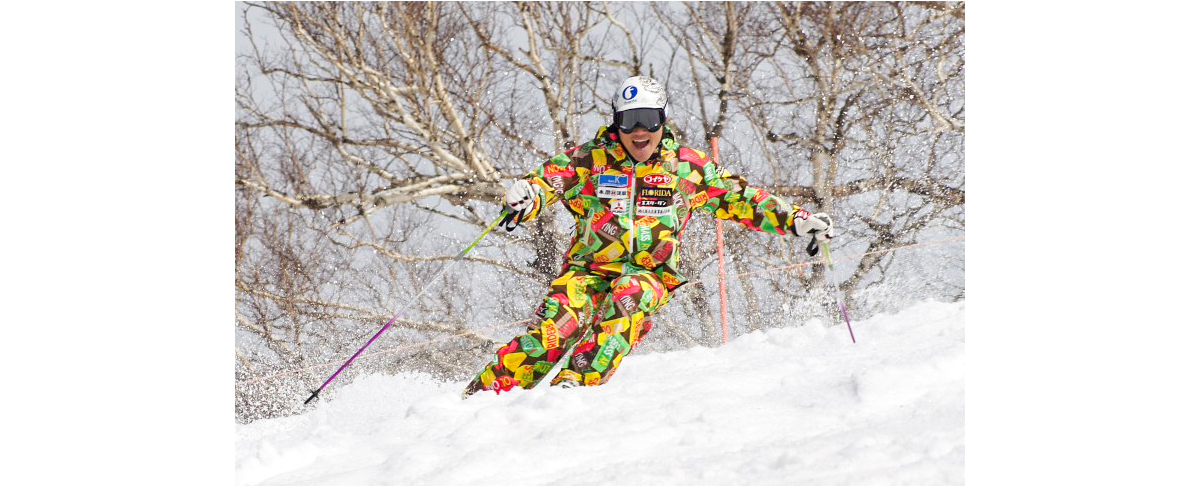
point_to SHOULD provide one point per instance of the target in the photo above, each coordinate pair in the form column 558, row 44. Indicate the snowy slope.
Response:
column 798, row 405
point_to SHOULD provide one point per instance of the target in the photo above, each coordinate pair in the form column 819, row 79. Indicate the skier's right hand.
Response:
column 520, row 196
column 517, row 201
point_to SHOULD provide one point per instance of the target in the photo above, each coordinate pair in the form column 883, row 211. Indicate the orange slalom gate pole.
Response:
column 721, row 266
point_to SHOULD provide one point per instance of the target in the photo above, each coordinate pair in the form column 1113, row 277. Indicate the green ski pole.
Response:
column 841, row 302
column 414, row 298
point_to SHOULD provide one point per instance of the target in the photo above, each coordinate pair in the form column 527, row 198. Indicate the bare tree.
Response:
column 372, row 140
column 873, row 95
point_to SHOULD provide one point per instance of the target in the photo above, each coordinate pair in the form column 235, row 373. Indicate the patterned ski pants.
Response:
column 601, row 314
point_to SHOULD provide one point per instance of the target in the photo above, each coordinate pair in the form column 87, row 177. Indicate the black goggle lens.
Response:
column 651, row 118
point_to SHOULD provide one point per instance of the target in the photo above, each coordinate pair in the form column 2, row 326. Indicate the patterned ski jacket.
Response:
column 629, row 216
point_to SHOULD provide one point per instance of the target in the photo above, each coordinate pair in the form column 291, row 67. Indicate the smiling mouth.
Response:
column 641, row 144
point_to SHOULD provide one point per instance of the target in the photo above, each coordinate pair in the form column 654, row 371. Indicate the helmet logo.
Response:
column 629, row 93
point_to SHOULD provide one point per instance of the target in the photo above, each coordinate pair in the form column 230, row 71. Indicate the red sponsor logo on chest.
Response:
column 657, row 179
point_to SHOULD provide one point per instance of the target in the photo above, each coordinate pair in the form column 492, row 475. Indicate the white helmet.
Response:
column 639, row 92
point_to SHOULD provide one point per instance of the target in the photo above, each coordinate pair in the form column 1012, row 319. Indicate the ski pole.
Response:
column 414, row 298
column 841, row 302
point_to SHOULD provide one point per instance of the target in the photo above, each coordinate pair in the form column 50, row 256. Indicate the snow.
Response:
column 795, row 405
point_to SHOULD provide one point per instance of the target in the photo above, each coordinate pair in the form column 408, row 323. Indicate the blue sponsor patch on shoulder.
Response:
column 614, row 180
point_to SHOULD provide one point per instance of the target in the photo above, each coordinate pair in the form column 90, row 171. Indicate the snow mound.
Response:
column 799, row 405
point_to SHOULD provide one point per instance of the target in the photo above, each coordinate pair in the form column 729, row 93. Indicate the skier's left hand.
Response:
column 817, row 224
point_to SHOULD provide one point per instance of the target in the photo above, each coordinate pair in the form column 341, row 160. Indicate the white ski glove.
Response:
column 520, row 195
column 518, row 200
column 816, row 224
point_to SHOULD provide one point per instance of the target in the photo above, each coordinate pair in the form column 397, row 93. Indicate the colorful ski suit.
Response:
column 622, row 262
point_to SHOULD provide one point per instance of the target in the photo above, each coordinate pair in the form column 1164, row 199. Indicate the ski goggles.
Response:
column 651, row 118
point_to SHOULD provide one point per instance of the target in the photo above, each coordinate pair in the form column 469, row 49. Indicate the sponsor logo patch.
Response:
column 657, row 179
column 612, row 192
column 614, row 180
column 653, row 211
column 655, row 192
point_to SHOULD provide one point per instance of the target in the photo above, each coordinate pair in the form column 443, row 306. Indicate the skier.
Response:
column 632, row 190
